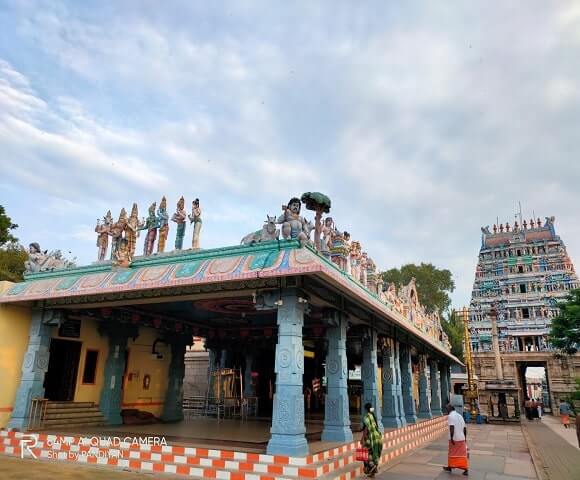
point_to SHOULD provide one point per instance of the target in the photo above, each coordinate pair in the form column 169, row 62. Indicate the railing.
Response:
column 37, row 413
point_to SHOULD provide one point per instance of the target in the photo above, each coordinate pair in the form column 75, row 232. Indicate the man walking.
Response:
column 457, row 455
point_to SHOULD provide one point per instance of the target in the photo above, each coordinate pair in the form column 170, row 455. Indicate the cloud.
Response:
column 422, row 122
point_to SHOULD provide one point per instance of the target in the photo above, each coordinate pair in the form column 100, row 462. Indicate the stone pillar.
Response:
column 399, row 389
column 336, row 414
column 407, row 383
column 111, row 393
column 424, row 407
column 370, row 376
column 211, row 368
column 248, row 391
column 390, row 408
column 173, row 405
column 223, row 358
column 435, row 389
column 34, row 367
column 288, row 430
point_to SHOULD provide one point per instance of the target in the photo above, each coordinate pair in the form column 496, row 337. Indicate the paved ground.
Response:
column 568, row 434
column 16, row 469
column 555, row 457
column 497, row 452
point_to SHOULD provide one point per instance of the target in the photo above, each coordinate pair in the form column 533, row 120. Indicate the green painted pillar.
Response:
column 435, row 388
column 370, row 376
column 391, row 414
column 34, row 365
column 424, row 407
column 407, row 383
column 173, row 404
column 111, row 393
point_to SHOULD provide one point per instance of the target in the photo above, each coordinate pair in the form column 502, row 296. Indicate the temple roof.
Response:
column 171, row 273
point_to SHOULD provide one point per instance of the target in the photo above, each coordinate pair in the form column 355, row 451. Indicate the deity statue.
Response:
column 355, row 256
column 163, row 224
column 328, row 233
column 347, row 266
column 132, row 230
column 195, row 218
column 39, row 261
column 103, row 229
column 122, row 254
column 151, row 226
column 180, row 217
column 116, row 232
column 292, row 222
column 268, row 232
column 363, row 268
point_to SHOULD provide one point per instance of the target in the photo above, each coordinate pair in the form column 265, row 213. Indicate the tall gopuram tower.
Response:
column 522, row 273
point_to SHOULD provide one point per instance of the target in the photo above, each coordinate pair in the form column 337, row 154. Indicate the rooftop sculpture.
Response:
column 39, row 261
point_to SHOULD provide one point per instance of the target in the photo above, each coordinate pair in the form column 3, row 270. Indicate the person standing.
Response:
column 564, row 413
column 372, row 440
column 457, row 454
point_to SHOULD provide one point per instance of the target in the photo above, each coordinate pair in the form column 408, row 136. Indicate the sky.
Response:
column 422, row 121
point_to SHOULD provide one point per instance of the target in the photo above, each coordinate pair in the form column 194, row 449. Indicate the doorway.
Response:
column 61, row 378
column 533, row 379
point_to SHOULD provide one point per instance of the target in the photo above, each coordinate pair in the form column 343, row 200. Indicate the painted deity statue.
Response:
column 116, row 232
column 151, row 226
column 39, row 261
column 328, row 233
column 123, row 254
column 355, row 257
column 163, row 224
column 364, row 260
column 132, row 230
column 291, row 221
column 347, row 246
column 180, row 217
column 195, row 218
column 103, row 229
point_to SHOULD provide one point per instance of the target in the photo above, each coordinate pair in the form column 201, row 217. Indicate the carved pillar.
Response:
column 390, row 409
column 398, row 386
column 34, row 367
column 288, row 430
column 445, row 394
column 173, row 405
column 211, row 367
column 248, row 391
column 424, row 408
column 370, row 376
column 435, row 388
column 111, row 393
column 407, row 383
column 336, row 414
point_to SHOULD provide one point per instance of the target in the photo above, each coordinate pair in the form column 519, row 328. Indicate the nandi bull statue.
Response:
column 268, row 232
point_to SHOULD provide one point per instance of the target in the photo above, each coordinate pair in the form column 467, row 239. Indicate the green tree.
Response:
column 433, row 284
column 6, row 226
column 453, row 327
column 565, row 329
column 12, row 258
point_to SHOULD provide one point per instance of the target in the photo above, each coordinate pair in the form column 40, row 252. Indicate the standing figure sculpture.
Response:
column 132, row 230
column 116, row 232
column 103, row 229
column 328, row 233
column 195, row 218
column 292, row 222
column 180, row 217
column 151, row 226
column 163, row 224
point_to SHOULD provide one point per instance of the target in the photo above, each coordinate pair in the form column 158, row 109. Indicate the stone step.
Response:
column 70, row 405
column 74, row 414
column 63, row 423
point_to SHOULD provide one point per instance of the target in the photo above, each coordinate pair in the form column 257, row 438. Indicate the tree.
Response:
column 319, row 203
column 453, row 327
column 433, row 285
column 12, row 258
column 5, row 226
column 565, row 329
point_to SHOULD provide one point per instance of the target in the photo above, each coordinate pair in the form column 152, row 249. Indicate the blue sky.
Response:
column 422, row 121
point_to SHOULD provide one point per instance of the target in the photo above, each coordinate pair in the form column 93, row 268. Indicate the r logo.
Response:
column 27, row 443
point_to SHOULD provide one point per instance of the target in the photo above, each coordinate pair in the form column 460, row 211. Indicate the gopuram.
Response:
column 297, row 306
column 522, row 273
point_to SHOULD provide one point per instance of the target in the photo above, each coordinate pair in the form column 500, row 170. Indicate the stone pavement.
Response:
column 12, row 468
column 497, row 452
column 554, row 456
column 568, row 434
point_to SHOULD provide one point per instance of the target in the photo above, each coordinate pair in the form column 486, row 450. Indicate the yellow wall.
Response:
column 91, row 340
column 14, row 329
column 142, row 363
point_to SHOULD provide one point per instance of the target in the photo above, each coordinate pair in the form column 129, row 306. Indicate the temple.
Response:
column 522, row 273
column 288, row 318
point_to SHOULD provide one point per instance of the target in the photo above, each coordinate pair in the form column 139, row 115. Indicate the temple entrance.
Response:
column 533, row 381
column 61, row 377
